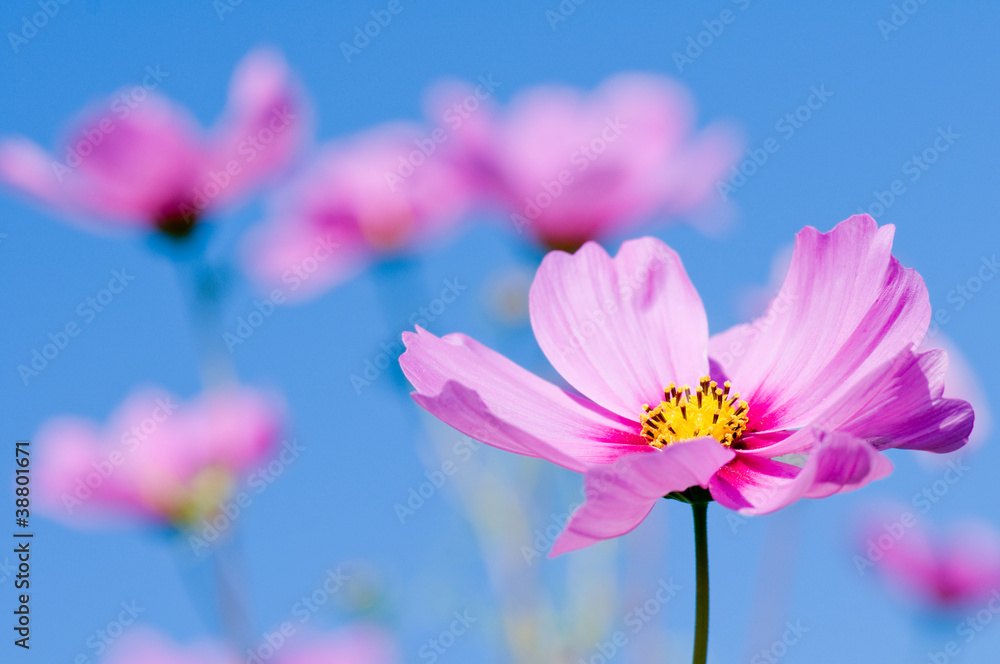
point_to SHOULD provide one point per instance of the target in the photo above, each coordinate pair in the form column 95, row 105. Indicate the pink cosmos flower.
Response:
column 357, row 644
column 830, row 372
column 946, row 569
column 138, row 160
column 142, row 645
column 571, row 167
column 156, row 459
column 377, row 194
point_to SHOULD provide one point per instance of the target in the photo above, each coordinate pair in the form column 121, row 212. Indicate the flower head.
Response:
column 156, row 459
column 830, row 373
column 352, row 205
column 138, row 160
column 355, row 644
column 572, row 167
column 945, row 569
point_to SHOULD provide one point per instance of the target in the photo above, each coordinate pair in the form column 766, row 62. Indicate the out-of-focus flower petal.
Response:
column 156, row 460
column 376, row 195
column 265, row 123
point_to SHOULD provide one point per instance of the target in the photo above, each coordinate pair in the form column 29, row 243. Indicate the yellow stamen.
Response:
column 710, row 411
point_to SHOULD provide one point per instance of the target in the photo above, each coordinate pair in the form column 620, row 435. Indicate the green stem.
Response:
column 700, row 511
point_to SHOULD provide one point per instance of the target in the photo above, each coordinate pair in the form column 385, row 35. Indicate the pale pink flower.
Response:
column 137, row 160
column 156, row 459
column 355, row 644
column 570, row 167
column 145, row 646
column 829, row 372
column 355, row 204
column 950, row 568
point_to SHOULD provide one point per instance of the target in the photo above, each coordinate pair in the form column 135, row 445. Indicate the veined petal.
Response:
column 846, row 307
column 902, row 405
column 486, row 396
column 619, row 330
column 621, row 494
column 837, row 462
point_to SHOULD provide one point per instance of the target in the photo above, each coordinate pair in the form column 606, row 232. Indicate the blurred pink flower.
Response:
column 376, row 194
column 830, row 372
column 145, row 646
column 950, row 568
column 356, row 644
column 572, row 167
column 156, row 459
column 138, row 160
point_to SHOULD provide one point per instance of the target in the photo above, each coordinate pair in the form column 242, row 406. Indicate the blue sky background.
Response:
column 892, row 92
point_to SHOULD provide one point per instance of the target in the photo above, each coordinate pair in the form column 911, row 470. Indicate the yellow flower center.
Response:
column 202, row 497
column 709, row 411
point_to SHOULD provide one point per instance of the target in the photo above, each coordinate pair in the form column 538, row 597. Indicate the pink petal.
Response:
column 357, row 644
column 837, row 462
column 847, row 307
column 264, row 124
column 144, row 168
column 620, row 330
column 486, row 396
column 902, row 405
column 899, row 405
column 27, row 167
column 144, row 460
column 141, row 644
column 621, row 494
column 302, row 260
